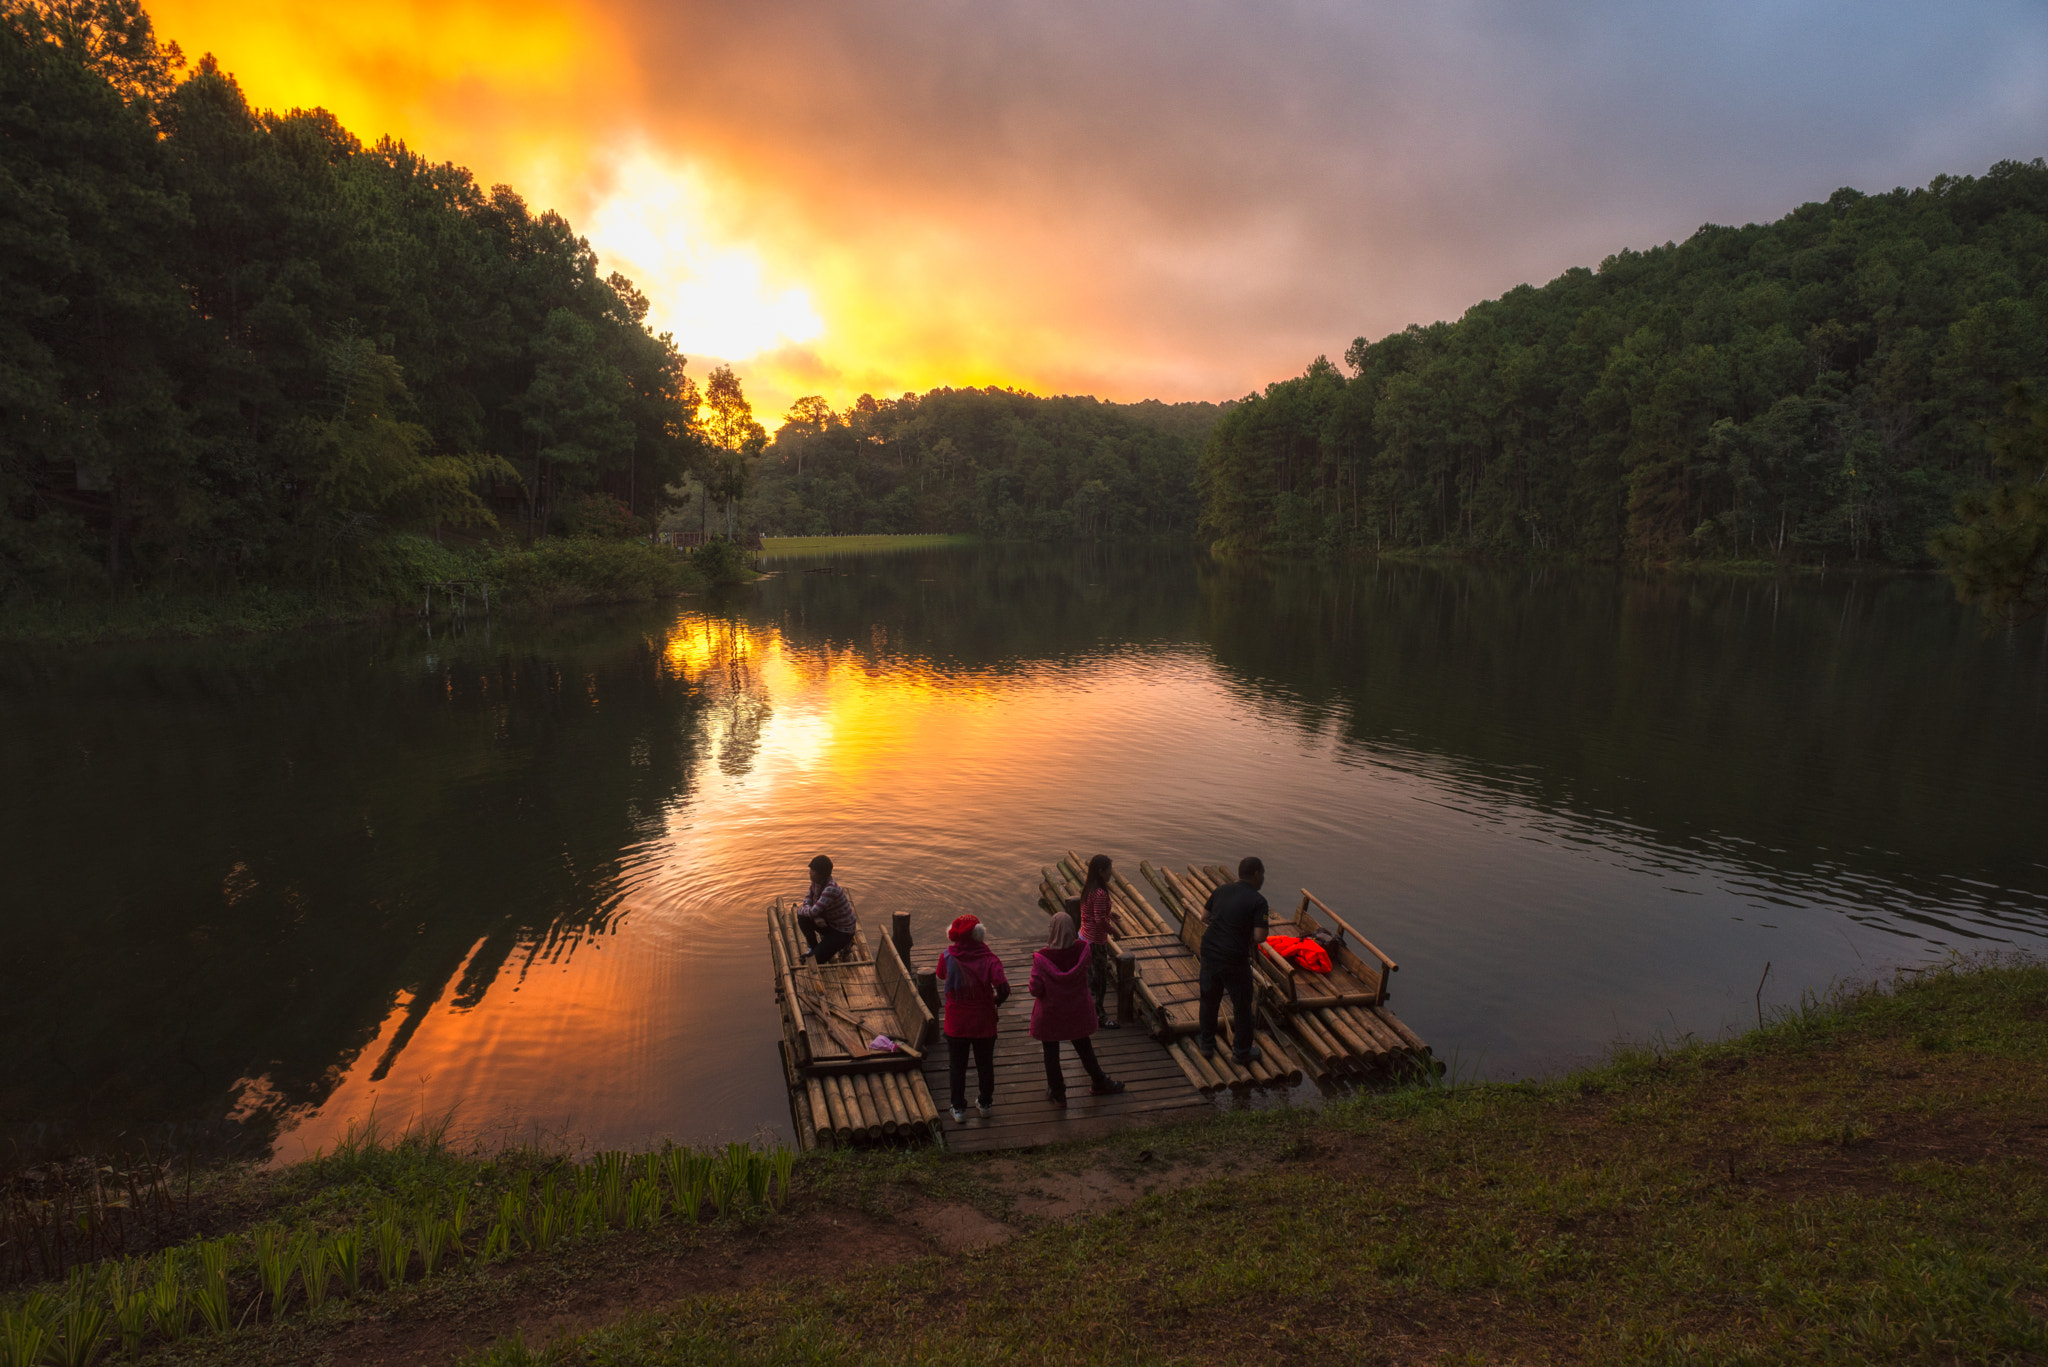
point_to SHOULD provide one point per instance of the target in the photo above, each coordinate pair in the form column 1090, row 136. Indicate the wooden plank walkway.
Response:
column 1155, row 1090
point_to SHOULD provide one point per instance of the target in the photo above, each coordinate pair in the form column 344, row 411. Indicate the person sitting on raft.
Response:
column 975, row 986
column 1237, row 922
column 825, row 915
column 1063, row 1011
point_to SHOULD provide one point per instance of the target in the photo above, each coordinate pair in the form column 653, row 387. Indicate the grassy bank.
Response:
column 398, row 579
column 783, row 547
column 1862, row 1181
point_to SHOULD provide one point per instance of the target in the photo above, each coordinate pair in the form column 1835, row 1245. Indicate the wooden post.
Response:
column 928, row 989
column 1126, row 988
column 899, row 931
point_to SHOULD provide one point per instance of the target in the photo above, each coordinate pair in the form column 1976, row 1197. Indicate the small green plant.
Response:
column 82, row 1323
column 315, row 1259
column 170, row 1312
column 689, row 1177
column 345, row 1254
column 727, row 1178
column 783, row 1158
column 28, row 1332
column 550, row 1213
column 211, row 1295
column 394, row 1248
column 276, row 1265
column 128, row 1296
column 759, row 1171
column 433, row 1233
column 643, row 1203
column 588, row 1215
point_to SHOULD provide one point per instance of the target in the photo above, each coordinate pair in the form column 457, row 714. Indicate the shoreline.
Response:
column 1831, row 1184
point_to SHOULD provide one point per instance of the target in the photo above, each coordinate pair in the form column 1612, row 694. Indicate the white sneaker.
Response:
column 958, row 1115
column 984, row 1107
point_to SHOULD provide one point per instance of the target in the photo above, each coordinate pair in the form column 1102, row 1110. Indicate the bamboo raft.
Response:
column 841, row 1091
column 1158, row 973
column 1341, row 1019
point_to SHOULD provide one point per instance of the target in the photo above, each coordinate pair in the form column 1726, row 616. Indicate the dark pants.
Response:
column 827, row 941
column 1056, row 1077
column 984, row 1068
column 1236, row 979
column 1101, row 973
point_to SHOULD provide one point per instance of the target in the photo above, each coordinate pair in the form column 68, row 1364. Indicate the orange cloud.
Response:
column 1131, row 197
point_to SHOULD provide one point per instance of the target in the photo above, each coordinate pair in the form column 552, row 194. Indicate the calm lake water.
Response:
column 514, row 871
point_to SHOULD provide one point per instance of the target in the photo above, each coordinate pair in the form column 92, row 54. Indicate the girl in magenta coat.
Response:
column 975, row 985
column 1064, row 1009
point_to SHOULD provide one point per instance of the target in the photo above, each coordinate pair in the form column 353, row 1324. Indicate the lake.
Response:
column 513, row 871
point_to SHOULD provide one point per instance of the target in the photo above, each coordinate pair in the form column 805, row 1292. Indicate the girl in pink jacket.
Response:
column 975, row 985
column 1064, row 1009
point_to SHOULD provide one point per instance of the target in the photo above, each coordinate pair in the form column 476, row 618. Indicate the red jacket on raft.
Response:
column 1064, row 1008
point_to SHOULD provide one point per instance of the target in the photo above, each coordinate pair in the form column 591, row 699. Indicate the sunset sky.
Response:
column 1134, row 200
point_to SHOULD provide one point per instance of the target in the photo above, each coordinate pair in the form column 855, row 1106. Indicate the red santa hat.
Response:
column 963, row 928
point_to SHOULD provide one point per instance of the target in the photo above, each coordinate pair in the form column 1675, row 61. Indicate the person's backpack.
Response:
column 1330, row 940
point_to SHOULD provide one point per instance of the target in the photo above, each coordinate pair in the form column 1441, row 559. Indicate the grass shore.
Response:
column 783, row 547
column 1862, row 1180
column 555, row 573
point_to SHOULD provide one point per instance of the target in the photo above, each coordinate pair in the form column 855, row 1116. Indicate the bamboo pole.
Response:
column 1197, row 1067
column 1362, row 1020
column 1409, row 1037
column 1318, row 1039
column 1186, row 1065
column 1339, row 1030
column 842, row 1124
column 864, row 1102
column 856, row 1123
column 878, row 1101
column 907, row 1117
column 1285, row 1068
column 921, row 1097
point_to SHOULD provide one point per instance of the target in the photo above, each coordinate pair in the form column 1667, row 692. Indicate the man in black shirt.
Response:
column 1237, row 923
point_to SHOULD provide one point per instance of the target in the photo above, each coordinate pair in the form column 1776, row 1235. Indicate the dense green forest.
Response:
column 242, row 345
column 1822, row 386
column 992, row 461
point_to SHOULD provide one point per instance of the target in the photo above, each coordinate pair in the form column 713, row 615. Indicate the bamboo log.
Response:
column 1319, row 1041
column 1377, row 1031
column 1285, row 1070
column 1399, row 1027
column 877, row 1099
column 1181, row 1060
column 1206, row 1080
column 842, row 1123
column 1363, row 1049
column 856, row 1123
column 921, row 1097
column 907, row 1118
column 900, row 1105
column 864, row 1105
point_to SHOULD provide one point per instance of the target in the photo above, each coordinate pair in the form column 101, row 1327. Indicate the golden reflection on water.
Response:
column 807, row 749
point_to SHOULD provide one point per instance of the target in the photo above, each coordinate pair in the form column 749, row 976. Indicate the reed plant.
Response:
column 589, row 1213
column 759, row 1171
column 170, row 1310
column 394, row 1248
column 783, row 1160
column 550, row 1213
column 510, row 1224
column 28, row 1331
column 643, row 1203
column 611, row 1172
column 345, row 1252
column 725, row 1184
column 689, row 1177
column 458, row 1222
column 211, row 1294
column 433, row 1232
column 315, row 1258
column 276, row 1266
column 129, row 1300
column 81, row 1322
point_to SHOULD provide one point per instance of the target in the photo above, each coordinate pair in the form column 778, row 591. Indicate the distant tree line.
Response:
column 237, row 343
column 1827, row 385
column 992, row 461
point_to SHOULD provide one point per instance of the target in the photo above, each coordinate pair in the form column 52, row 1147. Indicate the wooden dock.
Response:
column 1155, row 1092
column 1327, row 1028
